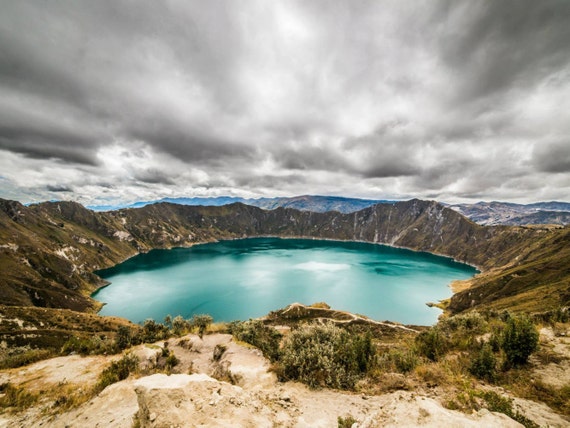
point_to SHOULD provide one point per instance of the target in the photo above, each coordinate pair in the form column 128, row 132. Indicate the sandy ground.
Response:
column 192, row 397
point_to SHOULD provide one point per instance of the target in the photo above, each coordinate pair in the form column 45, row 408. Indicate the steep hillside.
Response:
column 48, row 252
column 538, row 279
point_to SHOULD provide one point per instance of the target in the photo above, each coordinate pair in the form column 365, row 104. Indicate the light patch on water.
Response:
column 322, row 267
column 259, row 279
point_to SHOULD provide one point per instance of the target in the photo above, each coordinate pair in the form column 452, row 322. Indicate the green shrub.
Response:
column 123, row 340
column 87, row 346
column 404, row 361
column 180, row 325
column 117, row 371
column 201, row 322
column 469, row 322
column 254, row 332
column 153, row 331
column 484, row 364
column 519, row 340
column 219, row 351
column 325, row 355
column 346, row 422
column 431, row 344
column 495, row 340
column 500, row 404
column 171, row 361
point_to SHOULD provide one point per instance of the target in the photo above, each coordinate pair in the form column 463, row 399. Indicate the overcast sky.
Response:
column 116, row 101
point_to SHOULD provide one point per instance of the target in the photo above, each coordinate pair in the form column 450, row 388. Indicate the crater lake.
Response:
column 247, row 278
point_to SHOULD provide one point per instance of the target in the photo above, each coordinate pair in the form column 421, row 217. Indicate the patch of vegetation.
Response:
column 500, row 404
column 432, row 343
column 325, row 356
column 346, row 422
column 94, row 345
column 23, row 356
column 171, row 361
column 263, row 337
column 398, row 360
column 201, row 323
column 117, row 371
column 15, row 397
column 519, row 340
column 153, row 331
column 124, row 338
column 219, row 351
column 484, row 364
column 68, row 396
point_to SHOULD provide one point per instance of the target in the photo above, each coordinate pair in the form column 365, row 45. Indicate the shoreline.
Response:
column 299, row 237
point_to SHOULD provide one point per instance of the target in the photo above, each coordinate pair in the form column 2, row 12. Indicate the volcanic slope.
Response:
column 48, row 251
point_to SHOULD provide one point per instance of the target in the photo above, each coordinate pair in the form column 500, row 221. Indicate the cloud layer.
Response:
column 118, row 101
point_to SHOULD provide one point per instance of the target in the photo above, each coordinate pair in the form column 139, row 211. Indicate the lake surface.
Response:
column 247, row 278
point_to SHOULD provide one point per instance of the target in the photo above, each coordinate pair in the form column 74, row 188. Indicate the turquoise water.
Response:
column 247, row 278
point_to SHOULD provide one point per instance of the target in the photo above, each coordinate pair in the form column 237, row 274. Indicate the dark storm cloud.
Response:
column 153, row 176
column 500, row 45
column 553, row 157
column 44, row 144
column 434, row 97
column 58, row 189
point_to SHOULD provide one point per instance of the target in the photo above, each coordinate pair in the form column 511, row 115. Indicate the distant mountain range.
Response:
column 312, row 203
column 503, row 213
column 484, row 213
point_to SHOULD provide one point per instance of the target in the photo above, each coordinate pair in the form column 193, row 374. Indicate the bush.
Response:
column 346, row 422
column 219, row 351
column 123, row 339
column 117, row 371
column 484, row 364
column 171, row 361
column 87, row 346
column 180, row 325
column 325, row 355
column 153, row 331
column 497, row 403
column 469, row 322
column 519, row 340
column 401, row 361
column 254, row 332
column 201, row 322
column 431, row 344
